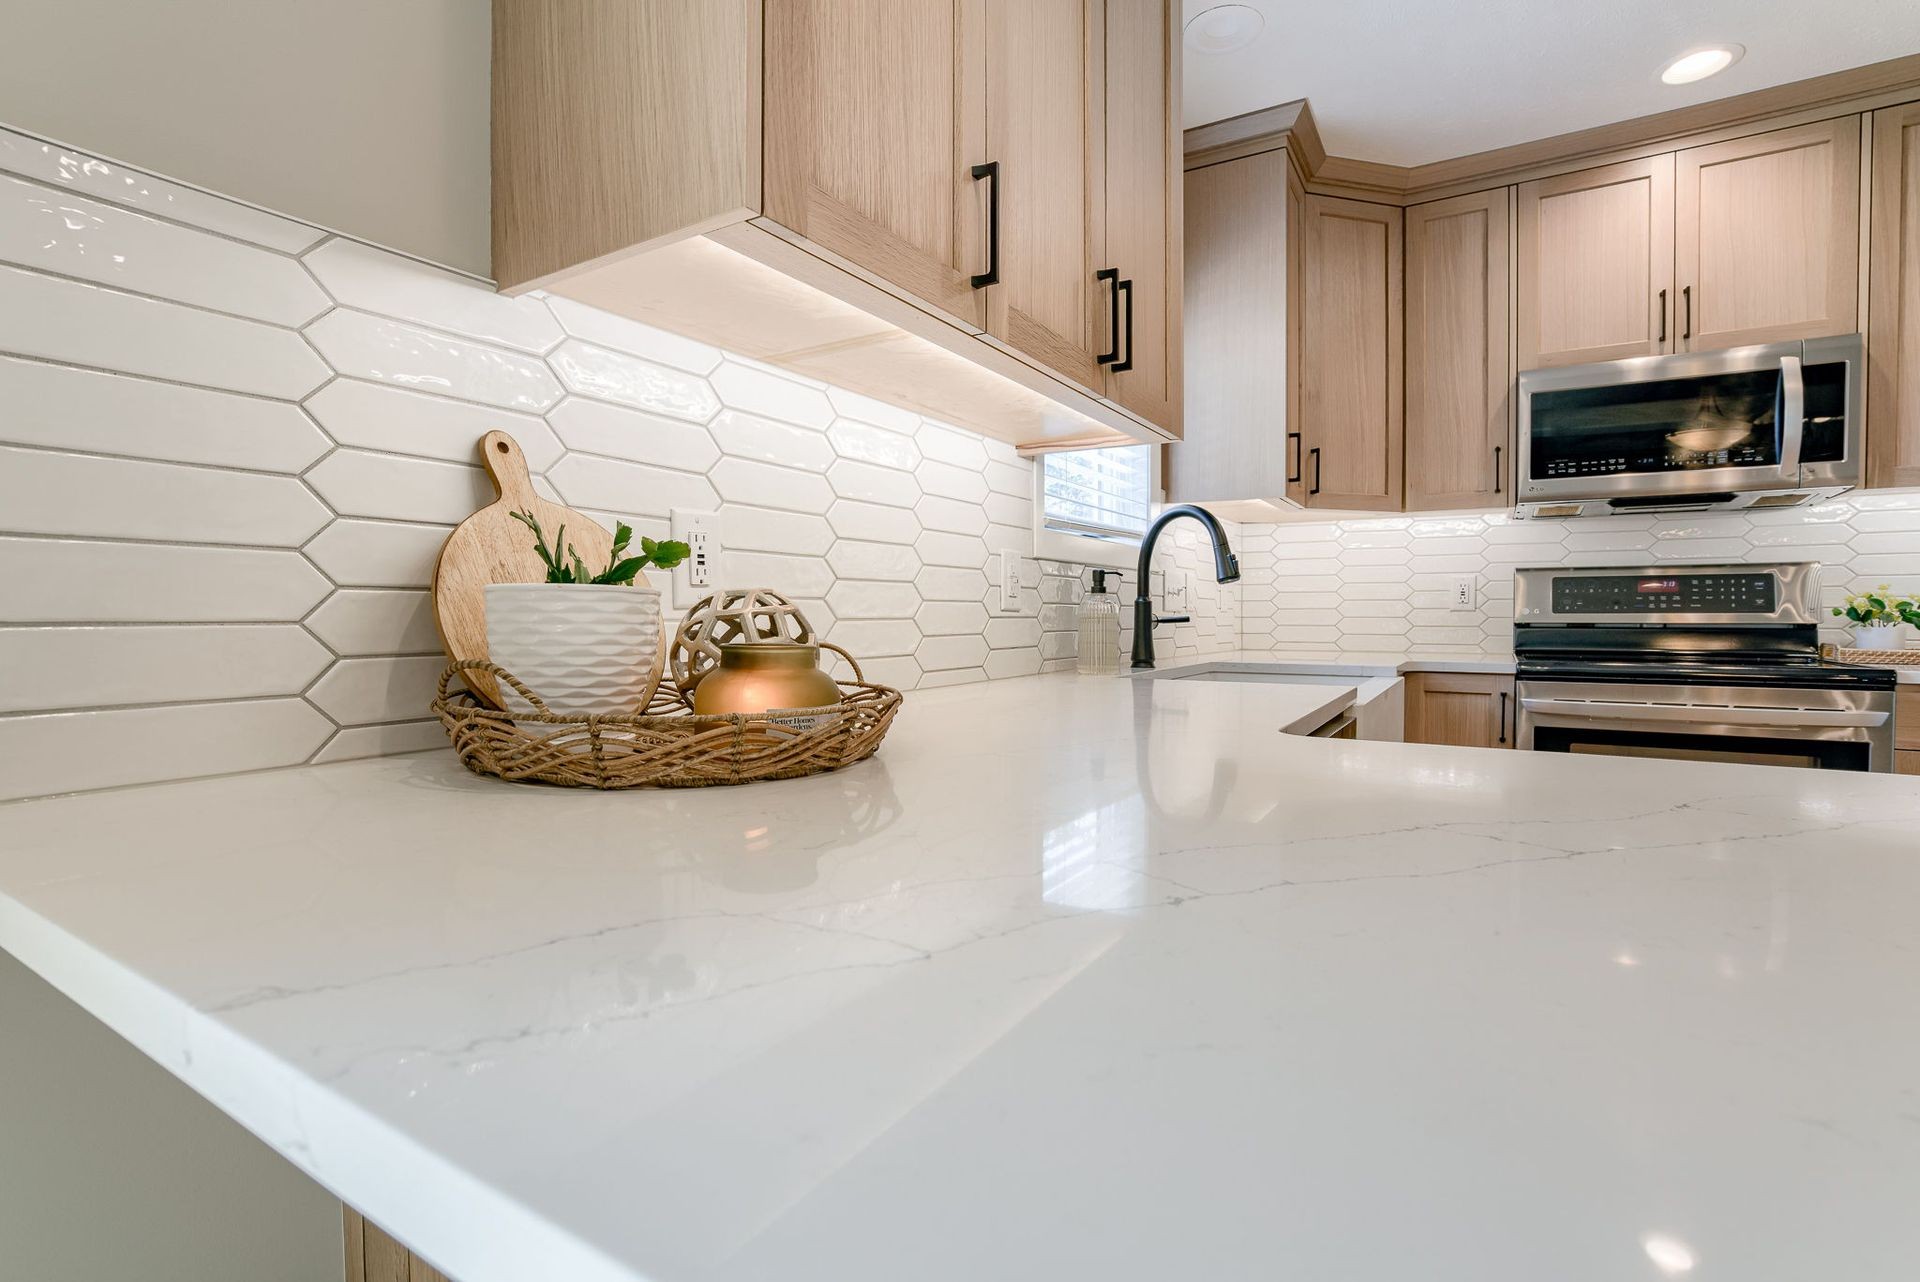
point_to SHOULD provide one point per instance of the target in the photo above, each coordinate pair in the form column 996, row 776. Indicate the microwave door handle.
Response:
column 1793, row 418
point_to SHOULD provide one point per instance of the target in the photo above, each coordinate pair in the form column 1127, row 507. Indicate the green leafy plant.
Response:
column 565, row 566
column 1879, row 608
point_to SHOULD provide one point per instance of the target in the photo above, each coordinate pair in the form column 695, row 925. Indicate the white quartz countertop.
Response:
column 1352, row 662
column 1079, row 978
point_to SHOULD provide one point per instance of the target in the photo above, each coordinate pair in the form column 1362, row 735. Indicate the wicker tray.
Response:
column 1878, row 658
column 668, row 746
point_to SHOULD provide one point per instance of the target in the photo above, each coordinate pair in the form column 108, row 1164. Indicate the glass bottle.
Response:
column 1099, row 619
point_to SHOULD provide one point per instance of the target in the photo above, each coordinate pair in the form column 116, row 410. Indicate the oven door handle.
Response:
column 1785, row 718
column 1793, row 418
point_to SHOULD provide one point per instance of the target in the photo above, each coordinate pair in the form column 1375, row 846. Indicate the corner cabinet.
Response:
column 1350, row 377
column 860, row 190
column 1458, row 372
column 1893, row 332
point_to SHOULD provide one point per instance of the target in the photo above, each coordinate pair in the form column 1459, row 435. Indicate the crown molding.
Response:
column 1290, row 125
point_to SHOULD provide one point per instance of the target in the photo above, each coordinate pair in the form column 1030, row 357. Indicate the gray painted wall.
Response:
column 366, row 116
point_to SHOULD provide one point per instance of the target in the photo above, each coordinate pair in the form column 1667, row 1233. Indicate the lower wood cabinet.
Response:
column 1906, row 726
column 372, row 1256
column 1906, row 762
column 1465, row 709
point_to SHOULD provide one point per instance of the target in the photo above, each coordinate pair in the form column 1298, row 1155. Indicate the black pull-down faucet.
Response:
column 1226, row 569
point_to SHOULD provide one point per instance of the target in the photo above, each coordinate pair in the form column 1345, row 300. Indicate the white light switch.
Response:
column 1466, row 594
column 1009, row 581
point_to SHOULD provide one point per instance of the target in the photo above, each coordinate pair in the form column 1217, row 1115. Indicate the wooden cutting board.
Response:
column 491, row 547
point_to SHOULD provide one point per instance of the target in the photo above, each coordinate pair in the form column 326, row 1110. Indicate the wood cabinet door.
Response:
column 1045, row 94
column 1143, row 207
column 1238, row 389
column 1595, row 264
column 1350, row 321
column 872, row 123
column 1767, row 236
column 1893, row 332
column 1459, row 454
column 1466, row 709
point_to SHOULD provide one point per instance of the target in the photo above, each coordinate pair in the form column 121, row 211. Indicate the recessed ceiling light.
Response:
column 1701, row 63
column 1224, row 28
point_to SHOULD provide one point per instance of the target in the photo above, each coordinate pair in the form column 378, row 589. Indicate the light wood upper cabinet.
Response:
column 1767, row 236
column 1239, row 276
column 871, row 130
column 1045, row 130
column 1459, row 447
column 1893, row 334
column 806, row 182
column 1596, row 264
column 1350, row 327
column 1143, row 206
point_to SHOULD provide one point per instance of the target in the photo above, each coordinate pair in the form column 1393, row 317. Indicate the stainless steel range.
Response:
column 1697, row 662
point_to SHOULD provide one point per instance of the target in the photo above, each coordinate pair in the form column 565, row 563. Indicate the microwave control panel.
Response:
column 1737, row 593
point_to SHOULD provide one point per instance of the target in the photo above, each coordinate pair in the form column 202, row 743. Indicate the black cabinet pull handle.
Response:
column 1126, row 287
column 1112, row 353
column 1663, row 316
column 1315, row 452
column 1504, row 696
column 1686, row 297
column 991, row 172
column 1498, row 471
column 1293, row 457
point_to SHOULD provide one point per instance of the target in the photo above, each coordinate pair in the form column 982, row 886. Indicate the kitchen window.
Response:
column 1091, row 507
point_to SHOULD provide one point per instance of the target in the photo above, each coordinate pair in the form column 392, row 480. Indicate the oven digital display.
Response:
column 1659, row 585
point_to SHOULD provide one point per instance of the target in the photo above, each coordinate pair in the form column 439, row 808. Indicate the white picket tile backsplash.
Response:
column 233, row 446
column 1384, row 584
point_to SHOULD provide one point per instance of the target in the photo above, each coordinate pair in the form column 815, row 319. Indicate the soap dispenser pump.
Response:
column 1099, row 618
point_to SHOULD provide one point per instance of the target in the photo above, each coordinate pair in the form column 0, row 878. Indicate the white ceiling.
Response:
column 1410, row 81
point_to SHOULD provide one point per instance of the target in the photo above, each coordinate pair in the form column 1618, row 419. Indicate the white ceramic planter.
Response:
column 584, row 648
column 1884, row 637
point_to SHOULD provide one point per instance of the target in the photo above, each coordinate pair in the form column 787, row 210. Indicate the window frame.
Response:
column 1085, row 549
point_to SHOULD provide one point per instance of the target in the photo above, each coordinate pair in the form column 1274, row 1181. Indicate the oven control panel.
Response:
column 1740, row 593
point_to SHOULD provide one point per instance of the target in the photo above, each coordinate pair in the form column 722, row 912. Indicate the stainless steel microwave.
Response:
column 1768, row 426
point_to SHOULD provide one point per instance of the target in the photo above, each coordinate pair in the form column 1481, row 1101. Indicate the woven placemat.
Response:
column 1877, row 658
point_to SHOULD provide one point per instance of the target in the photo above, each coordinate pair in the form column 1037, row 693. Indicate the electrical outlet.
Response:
column 1466, row 594
column 1177, row 591
column 1009, row 581
column 694, row 577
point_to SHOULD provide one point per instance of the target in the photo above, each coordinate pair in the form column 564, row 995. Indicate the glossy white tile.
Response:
column 376, row 280
column 771, row 395
column 868, row 444
column 628, row 380
column 378, row 554
column 48, row 492
column 361, row 345
column 852, row 559
column 770, row 441
column 377, row 621
column 741, row 480
column 44, row 669
column 59, row 581
column 357, row 483
column 61, row 752
column 117, row 184
column 623, row 334
column 631, row 489
column 87, row 324
column 756, row 529
column 378, row 416
column 860, row 600
column 62, row 407
column 596, row 427
column 853, row 519
column 355, row 742
column 957, row 618
column 54, row 230
column 359, row 691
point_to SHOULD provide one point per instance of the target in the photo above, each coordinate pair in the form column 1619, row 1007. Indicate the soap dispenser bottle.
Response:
column 1099, row 618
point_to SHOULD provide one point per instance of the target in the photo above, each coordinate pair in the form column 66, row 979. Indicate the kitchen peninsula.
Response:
column 1078, row 977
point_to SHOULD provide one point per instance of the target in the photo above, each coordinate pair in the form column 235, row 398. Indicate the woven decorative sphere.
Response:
column 734, row 615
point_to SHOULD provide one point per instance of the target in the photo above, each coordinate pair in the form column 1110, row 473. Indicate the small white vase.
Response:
column 1885, row 636
column 584, row 648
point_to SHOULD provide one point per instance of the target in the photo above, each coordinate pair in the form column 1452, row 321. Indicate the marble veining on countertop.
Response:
column 1080, row 977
